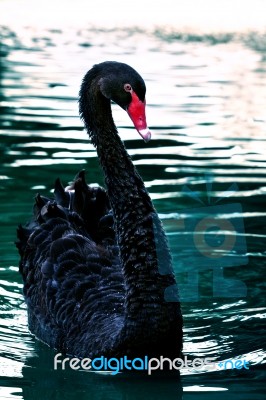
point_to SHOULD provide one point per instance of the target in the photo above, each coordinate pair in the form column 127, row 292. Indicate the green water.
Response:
column 206, row 107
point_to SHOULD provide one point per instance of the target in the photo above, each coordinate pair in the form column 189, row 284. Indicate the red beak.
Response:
column 136, row 111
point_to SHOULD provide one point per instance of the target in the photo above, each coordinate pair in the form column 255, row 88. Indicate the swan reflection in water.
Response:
column 68, row 384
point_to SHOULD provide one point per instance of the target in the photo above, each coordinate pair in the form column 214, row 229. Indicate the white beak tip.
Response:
column 145, row 134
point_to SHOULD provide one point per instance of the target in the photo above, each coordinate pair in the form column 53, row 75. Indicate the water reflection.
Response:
column 88, row 385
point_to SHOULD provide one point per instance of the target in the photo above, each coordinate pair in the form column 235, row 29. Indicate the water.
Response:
column 206, row 107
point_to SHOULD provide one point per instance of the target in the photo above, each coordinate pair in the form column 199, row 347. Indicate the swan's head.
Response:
column 123, row 85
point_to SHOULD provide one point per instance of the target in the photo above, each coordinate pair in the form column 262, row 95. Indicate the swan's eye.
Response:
column 127, row 87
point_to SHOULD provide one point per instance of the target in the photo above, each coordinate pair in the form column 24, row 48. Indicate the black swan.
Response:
column 96, row 267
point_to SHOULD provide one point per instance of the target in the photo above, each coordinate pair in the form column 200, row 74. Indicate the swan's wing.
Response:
column 70, row 266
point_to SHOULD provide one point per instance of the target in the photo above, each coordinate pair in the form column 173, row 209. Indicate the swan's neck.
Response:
column 142, row 242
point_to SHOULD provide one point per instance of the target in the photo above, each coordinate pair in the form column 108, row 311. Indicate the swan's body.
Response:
column 92, row 259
